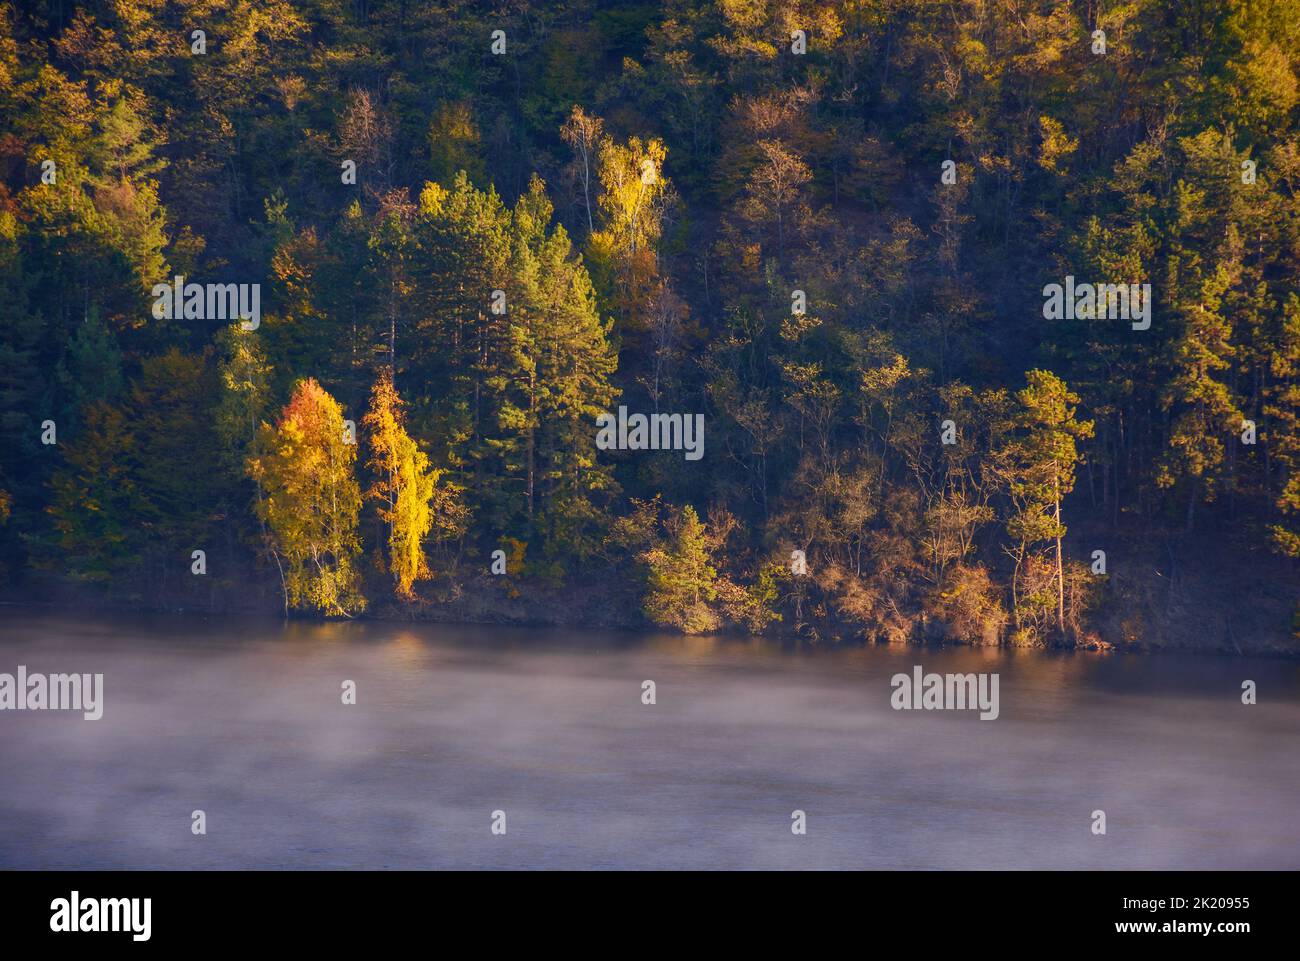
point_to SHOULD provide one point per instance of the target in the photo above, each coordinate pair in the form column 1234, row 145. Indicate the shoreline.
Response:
column 431, row 613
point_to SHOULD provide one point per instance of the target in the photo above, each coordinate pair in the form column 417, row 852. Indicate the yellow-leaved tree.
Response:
column 311, row 502
column 634, row 196
column 406, row 485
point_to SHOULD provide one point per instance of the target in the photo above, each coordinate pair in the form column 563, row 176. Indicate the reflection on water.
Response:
column 243, row 720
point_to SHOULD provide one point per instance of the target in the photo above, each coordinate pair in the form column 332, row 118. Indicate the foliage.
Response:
column 620, row 211
column 311, row 502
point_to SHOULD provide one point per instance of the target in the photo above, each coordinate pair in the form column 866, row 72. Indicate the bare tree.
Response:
column 582, row 132
column 366, row 135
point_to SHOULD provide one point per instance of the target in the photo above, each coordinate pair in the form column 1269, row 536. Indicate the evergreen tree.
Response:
column 93, row 500
column 682, row 580
column 1042, row 462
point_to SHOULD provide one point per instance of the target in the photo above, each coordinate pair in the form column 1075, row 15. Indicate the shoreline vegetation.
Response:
column 1153, row 614
column 704, row 316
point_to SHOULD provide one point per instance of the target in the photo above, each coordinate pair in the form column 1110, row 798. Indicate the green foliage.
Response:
column 682, row 581
column 647, row 185
column 139, row 487
column 1041, row 460
column 92, row 499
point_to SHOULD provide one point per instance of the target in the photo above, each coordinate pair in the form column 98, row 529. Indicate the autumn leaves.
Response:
column 310, row 501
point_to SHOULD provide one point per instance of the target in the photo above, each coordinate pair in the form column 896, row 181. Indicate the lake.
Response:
column 244, row 720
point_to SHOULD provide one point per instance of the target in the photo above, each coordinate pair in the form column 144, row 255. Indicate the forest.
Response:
column 984, row 315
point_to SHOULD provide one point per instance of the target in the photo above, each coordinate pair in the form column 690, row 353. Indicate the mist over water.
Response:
column 243, row 720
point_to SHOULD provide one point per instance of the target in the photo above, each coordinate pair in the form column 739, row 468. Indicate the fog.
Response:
column 244, row 721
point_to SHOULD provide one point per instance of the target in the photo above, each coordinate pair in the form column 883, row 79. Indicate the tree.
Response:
column 1283, row 412
column 455, row 143
column 634, row 198
column 582, row 132
column 140, row 486
column 773, row 192
column 682, row 579
column 510, row 384
column 1042, row 462
column 561, row 361
column 244, row 395
column 463, row 246
column 173, row 455
column 407, row 488
column 92, row 499
column 90, row 370
column 820, row 302
column 366, row 136
column 311, row 502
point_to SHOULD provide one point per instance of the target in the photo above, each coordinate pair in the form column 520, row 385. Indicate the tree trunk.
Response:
column 586, row 188
column 1060, row 573
column 1015, row 586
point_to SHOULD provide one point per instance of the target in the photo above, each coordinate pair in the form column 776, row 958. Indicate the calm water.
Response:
column 243, row 720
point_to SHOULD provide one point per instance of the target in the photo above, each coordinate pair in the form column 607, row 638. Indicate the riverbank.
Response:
column 1150, row 602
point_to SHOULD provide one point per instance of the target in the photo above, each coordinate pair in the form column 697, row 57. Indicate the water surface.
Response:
column 244, row 720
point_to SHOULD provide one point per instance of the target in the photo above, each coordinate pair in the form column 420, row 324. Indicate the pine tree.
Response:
column 556, row 381
column 94, row 499
column 462, row 235
column 682, row 578
column 140, row 486
column 1041, row 463
column 173, row 456
column 1283, row 428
